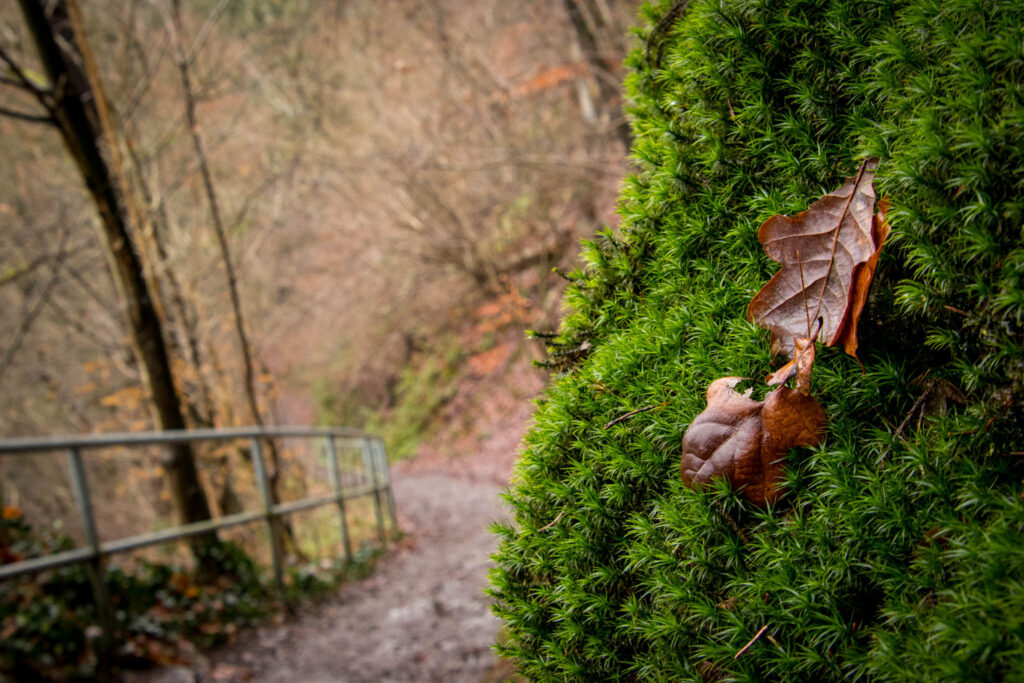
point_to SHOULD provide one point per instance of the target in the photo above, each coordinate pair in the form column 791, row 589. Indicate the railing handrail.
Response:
column 93, row 553
column 36, row 444
column 374, row 463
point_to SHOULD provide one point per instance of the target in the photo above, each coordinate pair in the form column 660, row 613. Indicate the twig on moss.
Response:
column 631, row 413
column 732, row 522
column 913, row 408
column 981, row 430
column 552, row 522
column 752, row 641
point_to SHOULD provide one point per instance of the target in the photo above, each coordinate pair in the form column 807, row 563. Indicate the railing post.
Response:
column 388, row 492
column 370, row 464
column 260, row 471
column 94, row 567
column 332, row 458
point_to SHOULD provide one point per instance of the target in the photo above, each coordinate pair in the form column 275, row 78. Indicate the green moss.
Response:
column 895, row 553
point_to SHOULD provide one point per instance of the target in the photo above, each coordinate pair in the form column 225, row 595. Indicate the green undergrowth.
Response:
column 897, row 550
column 422, row 391
column 415, row 398
column 49, row 627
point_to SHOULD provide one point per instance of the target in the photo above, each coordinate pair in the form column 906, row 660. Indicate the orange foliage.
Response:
column 549, row 78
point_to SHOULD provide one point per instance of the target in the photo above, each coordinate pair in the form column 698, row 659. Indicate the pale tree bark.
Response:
column 588, row 18
column 79, row 110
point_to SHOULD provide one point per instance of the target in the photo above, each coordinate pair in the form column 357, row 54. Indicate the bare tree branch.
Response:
column 268, row 181
column 175, row 28
column 22, row 116
column 13, row 82
column 32, row 312
column 40, row 93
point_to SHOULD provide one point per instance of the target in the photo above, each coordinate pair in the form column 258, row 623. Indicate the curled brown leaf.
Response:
column 745, row 440
column 819, row 250
column 862, row 277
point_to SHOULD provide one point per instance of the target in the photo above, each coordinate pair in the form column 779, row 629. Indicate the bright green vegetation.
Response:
column 897, row 552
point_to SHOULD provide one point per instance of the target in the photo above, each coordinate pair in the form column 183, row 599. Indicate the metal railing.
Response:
column 376, row 482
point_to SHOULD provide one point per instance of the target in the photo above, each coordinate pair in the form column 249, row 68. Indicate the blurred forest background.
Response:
column 397, row 183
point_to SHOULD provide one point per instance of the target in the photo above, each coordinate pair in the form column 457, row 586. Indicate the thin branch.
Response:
column 630, row 414
column 174, row 26
column 23, row 116
column 913, row 409
column 15, row 273
column 733, row 523
column 752, row 641
column 655, row 40
column 175, row 29
column 205, row 30
column 13, row 82
column 147, row 78
column 34, row 310
column 111, row 348
column 186, row 173
column 552, row 522
column 250, row 199
column 20, row 74
column 28, row 84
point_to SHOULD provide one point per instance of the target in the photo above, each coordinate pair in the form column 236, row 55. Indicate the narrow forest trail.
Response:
column 421, row 616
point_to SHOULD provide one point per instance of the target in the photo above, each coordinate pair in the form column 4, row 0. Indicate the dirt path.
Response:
column 421, row 616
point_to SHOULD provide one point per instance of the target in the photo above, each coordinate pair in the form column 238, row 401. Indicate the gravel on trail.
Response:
column 421, row 616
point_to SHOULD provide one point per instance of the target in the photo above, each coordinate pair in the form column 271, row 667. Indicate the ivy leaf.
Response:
column 819, row 250
column 745, row 440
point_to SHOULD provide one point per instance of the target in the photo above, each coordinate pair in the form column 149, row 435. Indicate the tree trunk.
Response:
column 82, row 118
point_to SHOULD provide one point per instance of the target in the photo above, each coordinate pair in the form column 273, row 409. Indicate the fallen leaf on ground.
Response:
column 862, row 277
column 745, row 440
column 819, row 250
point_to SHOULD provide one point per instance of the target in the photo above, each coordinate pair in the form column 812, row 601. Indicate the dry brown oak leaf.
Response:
column 819, row 250
column 745, row 440
column 862, row 277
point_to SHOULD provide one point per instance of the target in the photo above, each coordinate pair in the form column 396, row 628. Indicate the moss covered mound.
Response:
column 897, row 550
